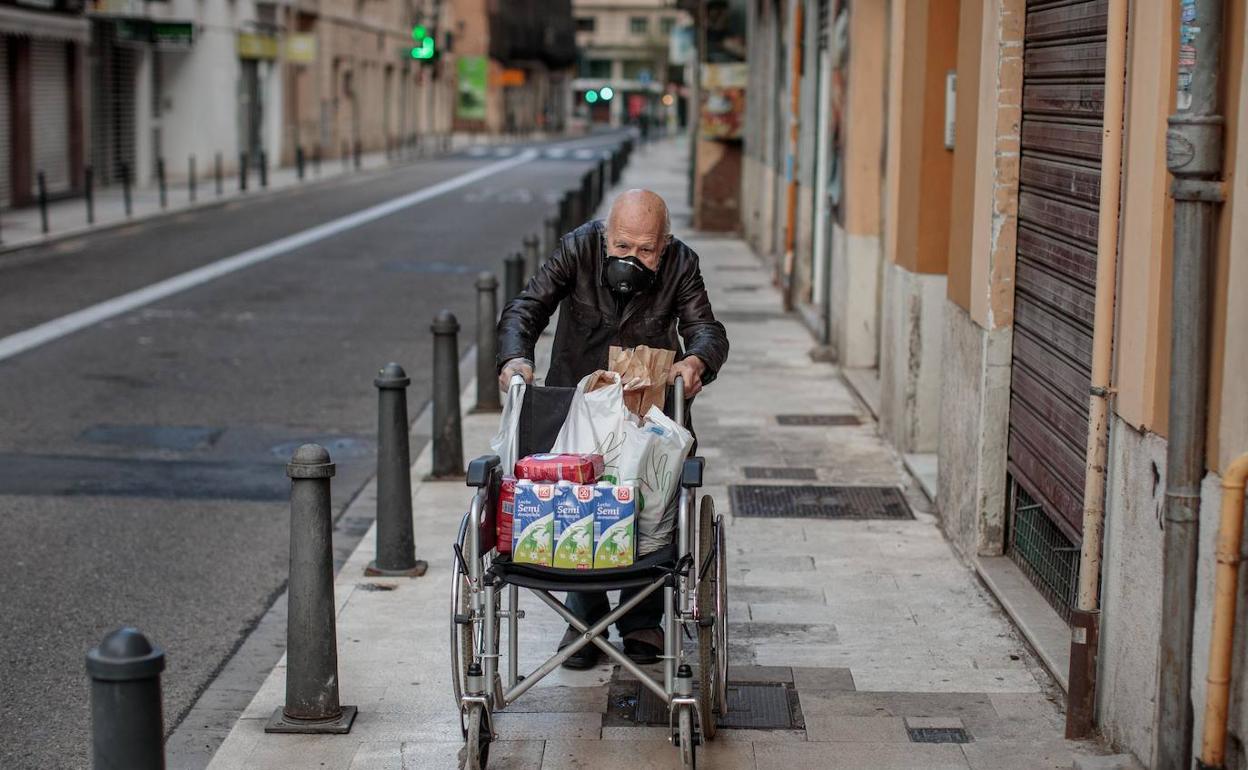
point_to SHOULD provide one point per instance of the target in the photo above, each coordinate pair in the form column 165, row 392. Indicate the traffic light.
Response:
column 605, row 93
column 591, row 96
column 426, row 49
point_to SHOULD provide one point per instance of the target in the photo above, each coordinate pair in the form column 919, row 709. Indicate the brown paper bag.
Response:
column 643, row 372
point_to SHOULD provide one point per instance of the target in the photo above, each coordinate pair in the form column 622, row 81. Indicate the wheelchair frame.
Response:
column 694, row 603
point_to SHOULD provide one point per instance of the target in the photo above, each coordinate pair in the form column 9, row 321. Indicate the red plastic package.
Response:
column 506, row 507
column 579, row 469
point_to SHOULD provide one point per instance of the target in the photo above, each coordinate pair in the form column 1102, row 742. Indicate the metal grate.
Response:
column 818, row 502
column 938, row 735
column 817, row 420
column 791, row 474
column 1043, row 552
column 771, row 706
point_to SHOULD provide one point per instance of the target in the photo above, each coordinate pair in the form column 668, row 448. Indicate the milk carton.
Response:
column 574, row 526
column 615, row 524
column 532, row 525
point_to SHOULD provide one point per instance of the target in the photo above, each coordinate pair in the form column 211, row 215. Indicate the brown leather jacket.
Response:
column 572, row 280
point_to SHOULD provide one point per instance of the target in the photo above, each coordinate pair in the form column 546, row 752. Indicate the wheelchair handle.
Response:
column 678, row 409
column 514, row 388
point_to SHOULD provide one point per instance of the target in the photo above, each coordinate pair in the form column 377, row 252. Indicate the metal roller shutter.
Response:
column 112, row 104
column 5, row 147
column 49, row 108
column 1059, row 189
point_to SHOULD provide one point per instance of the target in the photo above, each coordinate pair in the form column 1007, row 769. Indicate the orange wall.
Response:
column 966, row 146
column 864, row 144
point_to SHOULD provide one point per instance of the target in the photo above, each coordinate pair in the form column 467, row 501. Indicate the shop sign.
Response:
column 510, row 77
column 470, row 89
column 301, row 48
column 172, row 35
column 723, row 100
column 253, row 46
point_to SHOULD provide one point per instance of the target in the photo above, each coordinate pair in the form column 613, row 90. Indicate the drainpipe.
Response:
column 1225, row 593
column 790, row 162
column 1085, row 620
column 1194, row 158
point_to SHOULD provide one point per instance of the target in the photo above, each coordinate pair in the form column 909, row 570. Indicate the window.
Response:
column 584, row 23
column 637, row 69
column 667, row 24
column 638, row 25
column 595, row 68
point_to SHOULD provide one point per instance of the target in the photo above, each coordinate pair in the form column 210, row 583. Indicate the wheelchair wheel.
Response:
column 477, row 741
column 467, row 633
column 721, row 617
column 709, row 651
column 684, row 735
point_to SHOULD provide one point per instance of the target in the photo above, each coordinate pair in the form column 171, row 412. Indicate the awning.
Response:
column 44, row 26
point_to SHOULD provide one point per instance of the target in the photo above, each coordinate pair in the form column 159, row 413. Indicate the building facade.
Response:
column 979, row 226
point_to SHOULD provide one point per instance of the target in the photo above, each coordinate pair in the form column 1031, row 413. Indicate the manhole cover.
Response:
column 938, row 735
column 750, row 316
column 750, row 707
column 791, row 474
column 811, row 420
column 818, row 502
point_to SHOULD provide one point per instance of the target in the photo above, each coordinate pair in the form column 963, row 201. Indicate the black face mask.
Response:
column 627, row 276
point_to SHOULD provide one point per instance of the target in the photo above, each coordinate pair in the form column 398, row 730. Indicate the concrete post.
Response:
column 312, row 704
column 552, row 236
column 532, row 262
column 127, row 728
column 513, row 276
column 487, row 343
column 396, row 546
column 448, row 438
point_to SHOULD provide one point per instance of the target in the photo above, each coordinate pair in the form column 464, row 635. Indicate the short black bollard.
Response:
column 219, row 174
column 312, row 704
column 88, row 183
column 448, row 437
column 396, row 546
column 603, row 184
column 160, row 182
column 299, row 162
column 125, row 187
column 552, row 235
column 532, row 248
column 316, row 160
column 346, row 156
column 191, row 178
column 42, row 186
column 513, row 276
column 359, row 155
column 487, row 343
column 127, row 727
column 264, row 169
column 242, row 172
column 587, row 202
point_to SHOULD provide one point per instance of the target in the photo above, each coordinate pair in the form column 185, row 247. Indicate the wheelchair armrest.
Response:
column 481, row 469
column 691, row 474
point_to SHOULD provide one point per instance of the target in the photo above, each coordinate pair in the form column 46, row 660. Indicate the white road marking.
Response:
column 556, row 152
column 52, row 330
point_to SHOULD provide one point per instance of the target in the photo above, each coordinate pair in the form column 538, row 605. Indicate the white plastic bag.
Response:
column 659, row 479
column 595, row 423
column 504, row 442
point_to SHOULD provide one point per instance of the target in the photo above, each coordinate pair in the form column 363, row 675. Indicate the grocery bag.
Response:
column 595, row 421
column 658, row 479
column 504, row 442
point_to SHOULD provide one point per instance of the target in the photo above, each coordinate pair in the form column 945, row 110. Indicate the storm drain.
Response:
column 790, row 474
column 771, row 706
column 818, row 502
column 817, row 420
column 938, row 735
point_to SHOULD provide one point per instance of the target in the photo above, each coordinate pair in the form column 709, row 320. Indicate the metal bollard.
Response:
column 88, row 183
column 396, row 546
column 127, row 727
column 191, row 180
column 552, row 235
column 532, row 248
column 217, row 172
column 160, row 182
column 487, row 343
column 604, row 183
column 346, row 156
column 264, row 169
column 312, row 704
column 448, row 438
column 125, row 187
column 42, row 185
column 513, row 276
column 299, row 162
column 359, row 155
column 242, row 172
column 587, row 199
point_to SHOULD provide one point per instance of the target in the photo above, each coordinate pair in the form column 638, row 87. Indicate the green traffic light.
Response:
column 591, row 96
column 425, row 51
column 606, row 92
column 418, row 32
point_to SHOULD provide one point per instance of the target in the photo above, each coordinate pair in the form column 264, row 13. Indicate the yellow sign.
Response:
column 301, row 48
column 253, row 46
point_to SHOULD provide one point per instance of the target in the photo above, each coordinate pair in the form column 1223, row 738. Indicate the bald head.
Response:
column 638, row 226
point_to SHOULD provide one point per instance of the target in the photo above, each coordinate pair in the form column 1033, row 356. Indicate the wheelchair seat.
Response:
column 645, row 571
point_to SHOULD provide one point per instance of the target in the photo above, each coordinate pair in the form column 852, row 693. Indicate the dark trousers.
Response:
column 592, row 607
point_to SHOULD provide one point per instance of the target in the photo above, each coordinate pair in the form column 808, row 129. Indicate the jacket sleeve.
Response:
column 526, row 315
column 704, row 337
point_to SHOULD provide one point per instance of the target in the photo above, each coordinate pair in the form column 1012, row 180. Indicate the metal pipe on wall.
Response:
column 1085, row 621
column 1194, row 158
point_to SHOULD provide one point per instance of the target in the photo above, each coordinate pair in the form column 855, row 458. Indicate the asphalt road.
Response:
column 142, row 459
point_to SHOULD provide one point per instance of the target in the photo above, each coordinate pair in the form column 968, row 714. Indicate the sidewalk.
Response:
column 872, row 630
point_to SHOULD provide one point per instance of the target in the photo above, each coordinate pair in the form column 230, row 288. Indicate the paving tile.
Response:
column 744, row 673
column 536, row 726
column 379, row 755
column 298, row 752
column 504, row 755
column 1051, row 754
column 860, row 756
column 858, row 729
column 816, row 679
column 561, row 699
column 616, row 755
column 934, row 723
column 973, row 709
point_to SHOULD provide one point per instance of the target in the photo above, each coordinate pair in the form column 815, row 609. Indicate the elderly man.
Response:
column 627, row 283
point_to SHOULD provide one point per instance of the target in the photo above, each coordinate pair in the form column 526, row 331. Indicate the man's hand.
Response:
column 690, row 368
column 513, row 367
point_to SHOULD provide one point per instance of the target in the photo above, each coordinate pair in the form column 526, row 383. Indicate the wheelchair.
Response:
column 691, row 573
